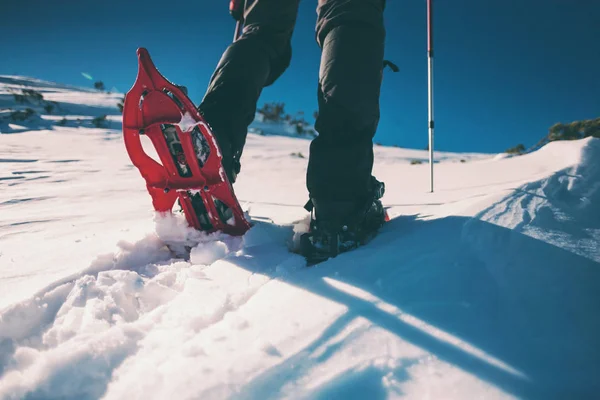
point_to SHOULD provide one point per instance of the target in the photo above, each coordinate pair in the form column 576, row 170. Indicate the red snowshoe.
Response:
column 190, row 168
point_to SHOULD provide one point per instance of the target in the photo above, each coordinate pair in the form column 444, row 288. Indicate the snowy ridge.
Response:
column 485, row 289
column 18, row 82
column 77, row 106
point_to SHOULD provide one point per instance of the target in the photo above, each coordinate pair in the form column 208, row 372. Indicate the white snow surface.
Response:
column 488, row 288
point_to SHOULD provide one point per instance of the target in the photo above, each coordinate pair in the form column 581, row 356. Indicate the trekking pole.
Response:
column 430, row 84
column 236, row 9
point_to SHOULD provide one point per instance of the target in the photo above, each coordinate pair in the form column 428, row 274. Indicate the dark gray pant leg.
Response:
column 352, row 35
column 254, row 61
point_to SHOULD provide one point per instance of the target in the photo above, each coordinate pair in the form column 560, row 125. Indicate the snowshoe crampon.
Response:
column 190, row 169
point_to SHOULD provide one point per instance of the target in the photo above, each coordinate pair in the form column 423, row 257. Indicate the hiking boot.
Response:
column 340, row 226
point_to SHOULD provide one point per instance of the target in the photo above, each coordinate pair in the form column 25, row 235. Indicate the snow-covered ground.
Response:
column 487, row 288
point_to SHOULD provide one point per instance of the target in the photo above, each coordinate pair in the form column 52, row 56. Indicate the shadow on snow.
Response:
column 531, row 305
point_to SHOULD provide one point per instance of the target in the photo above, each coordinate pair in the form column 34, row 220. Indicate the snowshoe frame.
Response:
column 152, row 102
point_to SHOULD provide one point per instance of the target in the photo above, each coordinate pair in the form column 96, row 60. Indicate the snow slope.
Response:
column 487, row 288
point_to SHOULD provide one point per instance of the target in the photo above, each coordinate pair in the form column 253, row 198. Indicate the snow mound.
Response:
column 52, row 105
column 560, row 209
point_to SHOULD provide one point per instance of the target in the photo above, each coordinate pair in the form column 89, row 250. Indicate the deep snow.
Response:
column 488, row 288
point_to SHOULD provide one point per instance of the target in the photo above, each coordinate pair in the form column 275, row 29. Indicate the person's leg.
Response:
column 254, row 61
column 344, row 194
column 351, row 34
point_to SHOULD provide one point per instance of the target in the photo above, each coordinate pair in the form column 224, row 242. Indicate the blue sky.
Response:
column 505, row 70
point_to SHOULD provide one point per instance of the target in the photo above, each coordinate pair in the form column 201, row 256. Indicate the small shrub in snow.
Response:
column 121, row 104
column 49, row 107
column 19, row 98
column 99, row 85
column 575, row 130
column 100, row 122
column 33, row 95
column 302, row 126
column 22, row 115
column 62, row 122
column 572, row 131
column 274, row 112
column 416, row 162
column 298, row 154
column 300, row 129
column 518, row 150
column 28, row 96
column 463, row 161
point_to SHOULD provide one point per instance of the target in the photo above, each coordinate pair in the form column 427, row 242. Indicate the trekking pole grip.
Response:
column 236, row 9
